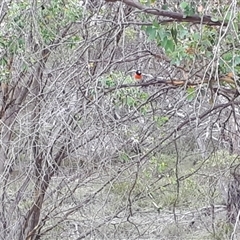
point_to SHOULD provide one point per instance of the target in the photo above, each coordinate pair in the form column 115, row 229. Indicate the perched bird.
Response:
column 138, row 75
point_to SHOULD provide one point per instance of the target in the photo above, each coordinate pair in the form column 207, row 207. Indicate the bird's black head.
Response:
column 138, row 72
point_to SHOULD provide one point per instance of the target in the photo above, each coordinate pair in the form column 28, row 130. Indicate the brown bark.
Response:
column 233, row 201
column 179, row 17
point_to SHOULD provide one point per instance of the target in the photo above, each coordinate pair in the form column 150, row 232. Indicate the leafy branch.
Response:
column 179, row 17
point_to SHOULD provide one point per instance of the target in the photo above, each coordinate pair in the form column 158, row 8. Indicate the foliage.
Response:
column 183, row 42
column 88, row 152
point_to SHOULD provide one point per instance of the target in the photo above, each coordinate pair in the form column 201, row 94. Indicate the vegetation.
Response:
column 89, row 152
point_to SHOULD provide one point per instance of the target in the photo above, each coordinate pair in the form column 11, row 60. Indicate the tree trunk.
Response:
column 233, row 201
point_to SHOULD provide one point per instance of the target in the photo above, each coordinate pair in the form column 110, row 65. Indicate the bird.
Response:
column 138, row 76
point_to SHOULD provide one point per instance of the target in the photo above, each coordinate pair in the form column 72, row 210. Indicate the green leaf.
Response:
column 3, row 61
column 151, row 32
column 130, row 101
column 183, row 5
column 144, row 96
column 188, row 9
column 143, row 110
column 162, row 166
column 108, row 82
column 227, row 56
column 161, row 34
column 174, row 34
column 191, row 93
column 182, row 33
column 164, row 7
column 161, row 120
column 236, row 27
column 168, row 45
column 124, row 157
column 228, row 16
column 214, row 19
column 155, row 23
column 236, row 60
column 196, row 36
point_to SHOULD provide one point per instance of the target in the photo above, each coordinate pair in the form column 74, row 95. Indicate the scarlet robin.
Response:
column 138, row 75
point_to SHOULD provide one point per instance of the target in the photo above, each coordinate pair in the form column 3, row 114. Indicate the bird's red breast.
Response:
column 138, row 75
